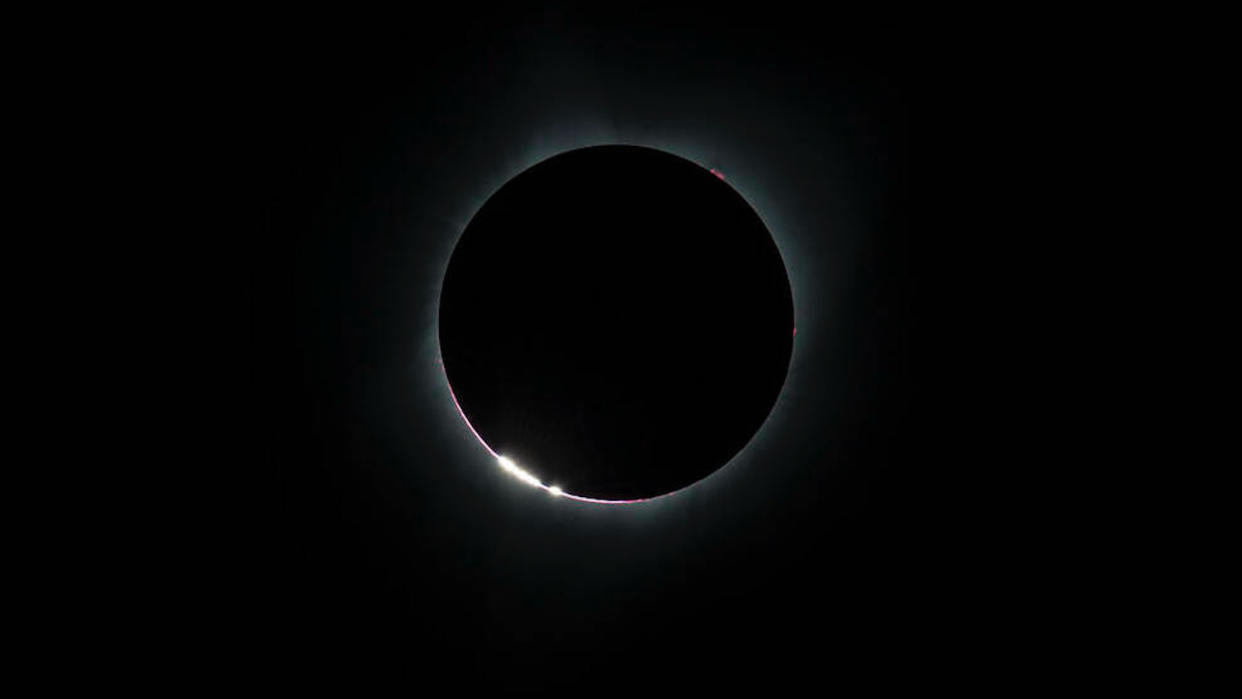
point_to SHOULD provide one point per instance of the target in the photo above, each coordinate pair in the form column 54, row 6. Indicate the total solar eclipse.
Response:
column 615, row 323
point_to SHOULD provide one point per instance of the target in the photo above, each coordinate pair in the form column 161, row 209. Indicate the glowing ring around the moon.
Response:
column 510, row 467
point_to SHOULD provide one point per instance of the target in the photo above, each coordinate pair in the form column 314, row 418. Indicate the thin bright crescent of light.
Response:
column 526, row 477
column 518, row 472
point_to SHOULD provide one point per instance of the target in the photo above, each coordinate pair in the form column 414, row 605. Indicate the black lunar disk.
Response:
column 617, row 321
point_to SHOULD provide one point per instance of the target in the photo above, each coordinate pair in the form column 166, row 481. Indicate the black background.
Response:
column 388, row 543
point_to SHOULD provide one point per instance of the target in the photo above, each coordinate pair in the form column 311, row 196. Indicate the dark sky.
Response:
column 394, row 546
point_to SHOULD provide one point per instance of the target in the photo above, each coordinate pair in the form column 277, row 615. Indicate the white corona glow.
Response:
column 556, row 491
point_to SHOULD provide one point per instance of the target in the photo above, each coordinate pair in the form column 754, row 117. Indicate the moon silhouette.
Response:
column 615, row 323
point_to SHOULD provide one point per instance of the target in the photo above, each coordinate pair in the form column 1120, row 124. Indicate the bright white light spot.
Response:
column 507, row 464
column 517, row 472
